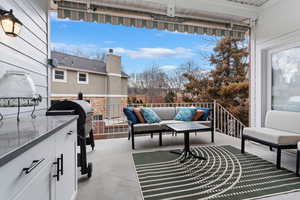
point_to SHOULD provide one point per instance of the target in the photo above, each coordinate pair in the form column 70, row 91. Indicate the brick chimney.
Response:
column 113, row 63
column 114, row 81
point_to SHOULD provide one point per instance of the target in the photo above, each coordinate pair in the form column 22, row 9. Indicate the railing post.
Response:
column 215, row 118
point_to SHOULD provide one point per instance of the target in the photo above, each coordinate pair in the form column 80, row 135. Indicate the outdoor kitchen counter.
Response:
column 16, row 138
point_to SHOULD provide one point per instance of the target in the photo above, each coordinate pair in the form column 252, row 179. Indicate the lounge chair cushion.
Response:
column 283, row 120
column 273, row 135
column 161, row 126
column 154, row 127
column 165, row 113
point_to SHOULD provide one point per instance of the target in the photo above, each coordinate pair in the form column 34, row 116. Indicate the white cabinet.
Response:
column 66, row 145
column 51, row 169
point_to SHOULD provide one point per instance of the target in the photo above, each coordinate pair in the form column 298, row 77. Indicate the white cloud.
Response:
column 168, row 67
column 178, row 52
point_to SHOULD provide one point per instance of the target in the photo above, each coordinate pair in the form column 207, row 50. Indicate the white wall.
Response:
column 29, row 51
column 278, row 25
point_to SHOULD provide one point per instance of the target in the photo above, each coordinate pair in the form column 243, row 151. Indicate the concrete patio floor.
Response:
column 114, row 176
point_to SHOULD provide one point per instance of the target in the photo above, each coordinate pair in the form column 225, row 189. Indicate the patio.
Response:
column 114, row 173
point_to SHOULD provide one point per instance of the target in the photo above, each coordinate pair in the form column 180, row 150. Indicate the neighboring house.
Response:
column 103, row 83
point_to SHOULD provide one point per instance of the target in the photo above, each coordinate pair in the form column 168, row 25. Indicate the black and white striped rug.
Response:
column 226, row 174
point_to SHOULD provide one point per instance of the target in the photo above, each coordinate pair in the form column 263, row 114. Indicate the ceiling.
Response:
column 257, row 3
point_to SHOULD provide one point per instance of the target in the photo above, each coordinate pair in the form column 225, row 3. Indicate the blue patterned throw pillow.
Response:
column 150, row 116
column 185, row 114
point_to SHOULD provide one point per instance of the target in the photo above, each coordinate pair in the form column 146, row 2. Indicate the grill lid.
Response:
column 84, row 105
column 81, row 108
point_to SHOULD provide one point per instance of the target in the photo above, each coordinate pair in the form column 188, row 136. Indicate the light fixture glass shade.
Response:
column 10, row 24
column 7, row 25
column 17, row 84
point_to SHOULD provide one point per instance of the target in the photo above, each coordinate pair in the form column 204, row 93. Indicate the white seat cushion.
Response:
column 148, row 127
column 273, row 135
column 161, row 126
column 164, row 122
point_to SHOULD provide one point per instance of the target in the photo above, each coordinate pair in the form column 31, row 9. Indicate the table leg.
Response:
column 187, row 151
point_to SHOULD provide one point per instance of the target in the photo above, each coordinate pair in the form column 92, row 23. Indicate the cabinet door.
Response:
column 40, row 187
column 66, row 143
column 12, row 175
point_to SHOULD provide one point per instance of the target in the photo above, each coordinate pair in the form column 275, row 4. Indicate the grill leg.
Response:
column 92, row 140
column 128, row 135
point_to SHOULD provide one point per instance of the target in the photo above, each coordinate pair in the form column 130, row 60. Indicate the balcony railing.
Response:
column 109, row 120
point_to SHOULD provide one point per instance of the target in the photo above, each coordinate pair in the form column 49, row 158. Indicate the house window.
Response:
column 59, row 75
column 285, row 89
column 83, row 78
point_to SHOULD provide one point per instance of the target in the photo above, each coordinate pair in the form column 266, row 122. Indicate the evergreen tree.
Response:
column 227, row 83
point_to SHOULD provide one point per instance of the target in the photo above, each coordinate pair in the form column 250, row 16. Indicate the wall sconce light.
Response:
column 10, row 24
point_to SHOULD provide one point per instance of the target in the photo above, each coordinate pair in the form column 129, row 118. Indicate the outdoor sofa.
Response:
column 167, row 115
column 281, row 131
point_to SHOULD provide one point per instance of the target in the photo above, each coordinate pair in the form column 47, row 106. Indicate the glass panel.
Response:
column 82, row 78
column 59, row 75
column 286, row 80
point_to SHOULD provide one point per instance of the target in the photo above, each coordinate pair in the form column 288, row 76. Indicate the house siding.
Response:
column 96, row 85
column 29, row 51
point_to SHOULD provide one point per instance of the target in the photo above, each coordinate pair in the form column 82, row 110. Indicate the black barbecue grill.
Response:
column 84, row 127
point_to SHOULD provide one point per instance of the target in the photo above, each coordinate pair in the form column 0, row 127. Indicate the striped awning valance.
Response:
column 75, row 10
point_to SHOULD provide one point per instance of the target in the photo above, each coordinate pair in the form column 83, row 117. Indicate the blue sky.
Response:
column 140, row 48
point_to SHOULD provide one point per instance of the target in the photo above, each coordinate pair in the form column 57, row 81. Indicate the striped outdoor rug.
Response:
column 227, row 174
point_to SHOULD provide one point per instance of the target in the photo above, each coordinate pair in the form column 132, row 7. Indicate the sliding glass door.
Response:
column 285, row 79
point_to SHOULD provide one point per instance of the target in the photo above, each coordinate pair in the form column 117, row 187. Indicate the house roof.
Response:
column 80, row 63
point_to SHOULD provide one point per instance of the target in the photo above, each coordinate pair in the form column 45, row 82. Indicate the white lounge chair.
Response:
column 281, row 131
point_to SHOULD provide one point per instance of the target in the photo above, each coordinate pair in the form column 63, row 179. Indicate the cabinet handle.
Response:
column 57, row 169
column 61, row 164
column 70, row 133
column 33, row 165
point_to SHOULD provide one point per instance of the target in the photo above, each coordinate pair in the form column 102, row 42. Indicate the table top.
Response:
column 187, row 127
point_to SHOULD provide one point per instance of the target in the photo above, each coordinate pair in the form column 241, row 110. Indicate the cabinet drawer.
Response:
column 40, row 187
column 12, row 175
